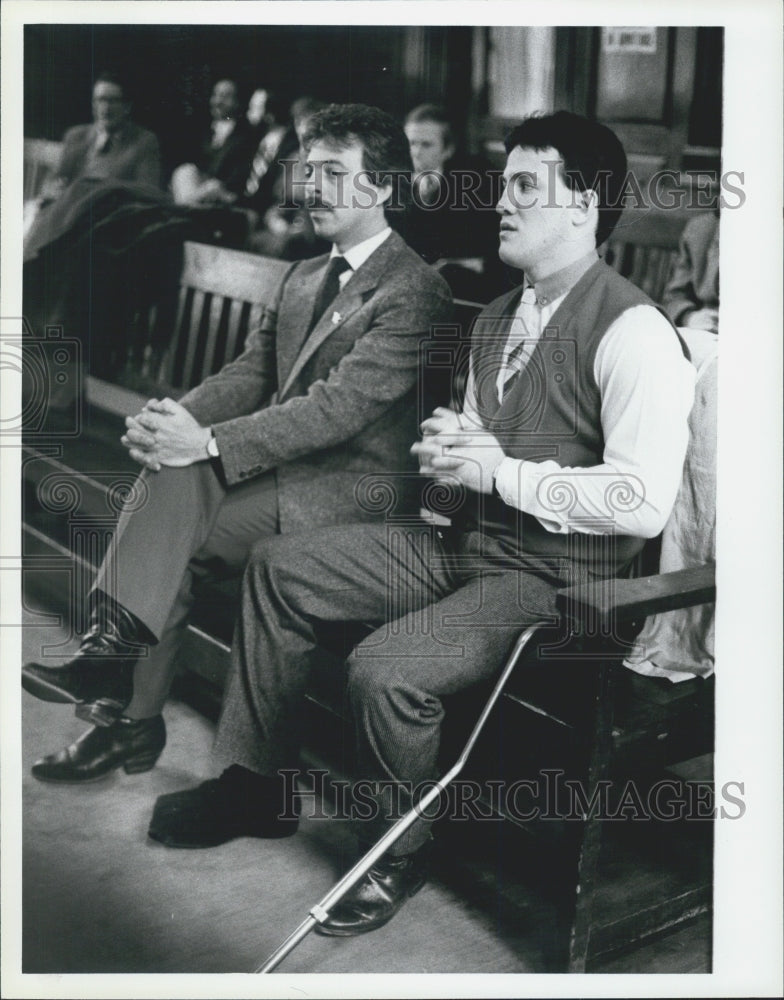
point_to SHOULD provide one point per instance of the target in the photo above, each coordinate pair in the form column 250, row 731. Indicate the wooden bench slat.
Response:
column 216, row 311
column 233, row 333
column 197, row 312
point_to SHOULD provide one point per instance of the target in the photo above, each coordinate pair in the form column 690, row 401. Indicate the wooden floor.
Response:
column 99, row 896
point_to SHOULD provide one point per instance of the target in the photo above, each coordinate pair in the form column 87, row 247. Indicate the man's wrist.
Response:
column 212, row 445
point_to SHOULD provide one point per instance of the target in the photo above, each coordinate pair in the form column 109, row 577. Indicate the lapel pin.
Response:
column 336, row 318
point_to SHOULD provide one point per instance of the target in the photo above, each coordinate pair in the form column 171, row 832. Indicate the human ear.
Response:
column 587, row 205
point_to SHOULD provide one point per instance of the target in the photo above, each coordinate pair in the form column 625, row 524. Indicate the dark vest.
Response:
column 552, row 411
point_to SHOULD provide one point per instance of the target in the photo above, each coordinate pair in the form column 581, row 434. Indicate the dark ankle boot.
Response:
column 99, row 679
column 240, row 803
column 133, row 744
column 377, row 897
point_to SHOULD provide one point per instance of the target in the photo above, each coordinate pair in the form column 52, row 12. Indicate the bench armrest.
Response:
column 614, row 600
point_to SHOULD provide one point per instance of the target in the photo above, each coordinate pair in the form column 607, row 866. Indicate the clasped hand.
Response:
column 454, row 450
column 165, row 433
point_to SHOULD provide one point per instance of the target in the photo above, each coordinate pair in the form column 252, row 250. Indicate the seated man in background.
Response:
column 219, row 172
column 691, row 297
column 276, row 139
column 285, row 231
column 68, row 280
column 452, row 216
column 113, row 147
column 324, row 393
column 579, row 388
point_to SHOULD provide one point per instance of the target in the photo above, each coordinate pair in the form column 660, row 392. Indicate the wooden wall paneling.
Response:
column 685, row 57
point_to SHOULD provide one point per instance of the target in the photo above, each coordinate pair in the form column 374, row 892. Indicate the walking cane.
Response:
column 319, row 913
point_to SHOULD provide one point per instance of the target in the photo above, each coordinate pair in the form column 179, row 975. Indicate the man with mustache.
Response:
column 324, row 393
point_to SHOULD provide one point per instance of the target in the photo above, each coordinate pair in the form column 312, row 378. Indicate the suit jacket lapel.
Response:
column 348, row 301
column 294, row 320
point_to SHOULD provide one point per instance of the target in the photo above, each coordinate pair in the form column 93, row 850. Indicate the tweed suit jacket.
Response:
column 324, row 409
column 133, row 155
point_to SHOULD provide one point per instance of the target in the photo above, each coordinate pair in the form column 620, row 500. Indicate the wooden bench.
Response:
column 169, row 346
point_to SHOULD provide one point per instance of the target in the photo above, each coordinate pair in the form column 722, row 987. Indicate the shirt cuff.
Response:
column 508, row 481
column 517, row 487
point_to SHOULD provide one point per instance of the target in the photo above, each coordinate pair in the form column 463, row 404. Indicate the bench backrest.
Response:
column 644, row 245
column 222, row 295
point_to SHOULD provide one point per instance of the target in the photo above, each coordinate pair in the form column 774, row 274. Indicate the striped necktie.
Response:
column 526, row 331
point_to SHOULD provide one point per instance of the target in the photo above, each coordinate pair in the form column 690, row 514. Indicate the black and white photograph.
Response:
column 391, row 553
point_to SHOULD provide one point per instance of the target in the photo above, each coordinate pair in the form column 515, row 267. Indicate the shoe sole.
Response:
column 367, row 928
column 133, row 766
column 139, row 765
column 103, row 712
column 44, row 691
column 180, row 845
column 72, row 781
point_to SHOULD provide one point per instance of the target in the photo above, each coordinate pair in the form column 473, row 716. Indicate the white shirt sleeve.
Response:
column 647, row 389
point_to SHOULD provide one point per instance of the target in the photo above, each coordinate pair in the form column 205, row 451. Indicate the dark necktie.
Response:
column 329, row 288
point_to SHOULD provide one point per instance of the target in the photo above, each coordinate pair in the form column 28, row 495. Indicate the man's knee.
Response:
column 378, row 687
column 273, row 560
column 275, row 551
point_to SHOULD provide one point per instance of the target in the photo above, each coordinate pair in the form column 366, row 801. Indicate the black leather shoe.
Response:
column 378, row 896
column 238, row 804
column 99, row 679
column 135, row 745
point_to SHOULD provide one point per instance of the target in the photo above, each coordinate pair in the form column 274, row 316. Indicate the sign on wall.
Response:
column 629, row 40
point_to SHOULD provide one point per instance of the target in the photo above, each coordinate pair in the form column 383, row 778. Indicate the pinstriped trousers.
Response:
column 446, row 607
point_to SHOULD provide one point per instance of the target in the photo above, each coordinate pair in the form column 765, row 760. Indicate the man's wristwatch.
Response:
column 212, row 447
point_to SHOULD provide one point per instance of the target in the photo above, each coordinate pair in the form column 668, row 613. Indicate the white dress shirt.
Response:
column 358, row 254
column 221, row 130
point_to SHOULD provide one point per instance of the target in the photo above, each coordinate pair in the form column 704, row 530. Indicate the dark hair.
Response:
column 593, row 158
column 304, row 107
column 432, row 113
column 110, row 76
column 385, row 153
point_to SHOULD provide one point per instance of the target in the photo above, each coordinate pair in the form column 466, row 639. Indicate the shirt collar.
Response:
column 358, row 254
column 558, row 284
column 222, row 129
column 101, row 132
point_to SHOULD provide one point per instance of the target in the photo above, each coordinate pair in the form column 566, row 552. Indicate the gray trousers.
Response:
column 447, row 607
column 185, row 525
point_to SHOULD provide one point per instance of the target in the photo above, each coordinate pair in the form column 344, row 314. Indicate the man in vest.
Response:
column 568, row 453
